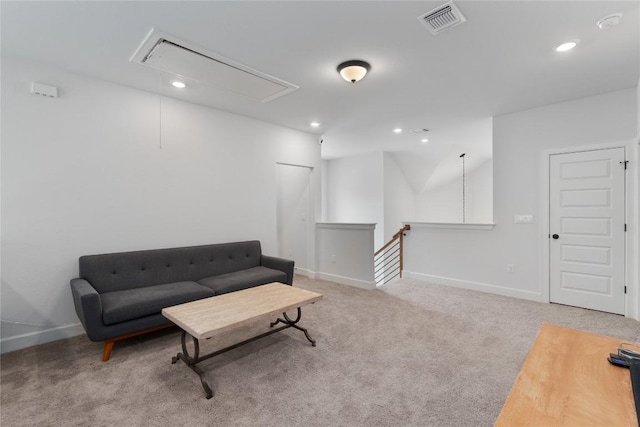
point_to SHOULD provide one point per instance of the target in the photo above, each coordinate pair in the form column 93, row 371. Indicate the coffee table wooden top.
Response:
column 567, row 380
column 207, row 317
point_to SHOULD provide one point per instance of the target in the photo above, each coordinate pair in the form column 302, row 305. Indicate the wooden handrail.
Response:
column 396, row 255
column 395, row 236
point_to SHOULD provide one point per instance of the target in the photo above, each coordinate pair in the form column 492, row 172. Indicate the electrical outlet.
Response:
column 333, row 258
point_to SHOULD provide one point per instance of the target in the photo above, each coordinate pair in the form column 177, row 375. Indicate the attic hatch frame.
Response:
column 155, row 39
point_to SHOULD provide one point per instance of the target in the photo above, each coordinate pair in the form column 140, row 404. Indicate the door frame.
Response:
column 630, row 210
column 311, row 219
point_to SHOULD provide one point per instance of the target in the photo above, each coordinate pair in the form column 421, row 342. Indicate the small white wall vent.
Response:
column 441, row 18
column 178, row 57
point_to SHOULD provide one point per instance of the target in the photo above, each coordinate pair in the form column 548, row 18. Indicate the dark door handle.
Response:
column 555, row 236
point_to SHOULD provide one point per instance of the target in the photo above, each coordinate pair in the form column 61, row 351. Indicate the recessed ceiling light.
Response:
column 178, row 84
column 424, row 140
column 314, row 124
column 609, row 21
column 566, row 46
column 397, row 130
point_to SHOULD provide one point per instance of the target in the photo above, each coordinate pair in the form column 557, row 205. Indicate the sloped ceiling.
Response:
column 436, row 163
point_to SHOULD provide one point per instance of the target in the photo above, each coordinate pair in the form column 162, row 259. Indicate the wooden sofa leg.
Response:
column 108, row 346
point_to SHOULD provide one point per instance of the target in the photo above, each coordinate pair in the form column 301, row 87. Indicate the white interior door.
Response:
column 292, row 213
column 586, row 226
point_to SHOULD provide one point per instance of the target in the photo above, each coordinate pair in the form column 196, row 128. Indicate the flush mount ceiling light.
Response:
column 564, row 47
column 353, row 71
column 397, row 130
column 609, row 21
column 424, row 140
column 314, row 124
column 178, row 84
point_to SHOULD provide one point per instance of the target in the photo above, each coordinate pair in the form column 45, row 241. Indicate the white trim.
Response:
column 310, row 232
column 346, row 225
column 295, row 165
column 474, row 286
column 544, row 226
column 303, row 272
column 629, row 146
column 451, row 225
column 345, row 281
column 19, row 342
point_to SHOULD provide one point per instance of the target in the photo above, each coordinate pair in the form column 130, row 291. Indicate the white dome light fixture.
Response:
column 178, row 84
column 564, row 47
column 353, row 71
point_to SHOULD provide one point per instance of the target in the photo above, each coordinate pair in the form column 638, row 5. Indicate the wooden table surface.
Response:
column 566, row 380
column 207, row 317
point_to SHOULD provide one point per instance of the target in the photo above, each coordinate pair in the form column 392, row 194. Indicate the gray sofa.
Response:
column 121, row 295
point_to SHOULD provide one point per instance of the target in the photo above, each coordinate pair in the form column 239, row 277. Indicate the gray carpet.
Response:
column 408, row 354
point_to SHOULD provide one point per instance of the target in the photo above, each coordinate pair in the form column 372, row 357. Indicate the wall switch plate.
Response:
column 523, row 219
column 510, row 268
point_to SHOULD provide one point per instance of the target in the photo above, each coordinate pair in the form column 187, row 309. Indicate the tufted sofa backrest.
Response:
column 129, row 270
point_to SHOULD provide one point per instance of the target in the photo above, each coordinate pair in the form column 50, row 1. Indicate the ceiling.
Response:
column 500, row 60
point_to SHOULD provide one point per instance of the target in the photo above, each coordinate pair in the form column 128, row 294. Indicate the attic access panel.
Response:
column 171, row 55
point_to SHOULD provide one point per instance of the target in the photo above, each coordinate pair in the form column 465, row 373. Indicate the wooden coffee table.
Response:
column 207, row 317
column 567, row 381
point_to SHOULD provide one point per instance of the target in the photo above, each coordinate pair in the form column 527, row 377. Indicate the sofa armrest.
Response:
column 281, row 264
column 88, row 307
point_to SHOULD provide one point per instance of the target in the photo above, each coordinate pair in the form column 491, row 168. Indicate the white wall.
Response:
column 90, row 172
column 374, row 188
column 399, row 198
column 478, row 258
column 444, row 203
column 354, row 192
column 345, row 254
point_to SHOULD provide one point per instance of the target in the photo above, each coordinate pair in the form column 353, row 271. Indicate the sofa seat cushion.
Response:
column 130, row 304
column 242, row 279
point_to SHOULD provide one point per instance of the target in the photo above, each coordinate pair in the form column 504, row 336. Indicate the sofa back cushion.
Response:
column 129, row 270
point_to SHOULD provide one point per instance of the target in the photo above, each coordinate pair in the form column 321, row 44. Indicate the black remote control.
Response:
column 617, row 360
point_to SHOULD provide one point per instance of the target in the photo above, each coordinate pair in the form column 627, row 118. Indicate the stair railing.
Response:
column 388, row 260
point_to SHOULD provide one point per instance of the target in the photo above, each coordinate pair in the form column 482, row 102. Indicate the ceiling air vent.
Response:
column 441, row 18
column 178, row 57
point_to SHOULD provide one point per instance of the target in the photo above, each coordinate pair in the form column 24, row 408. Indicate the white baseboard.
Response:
column 362, row 284
column 475, row 286
column 304, row 272
column 19, row 342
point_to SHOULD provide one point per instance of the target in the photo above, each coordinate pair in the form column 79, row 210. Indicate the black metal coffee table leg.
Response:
column 293, row 324
column 191, row 361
